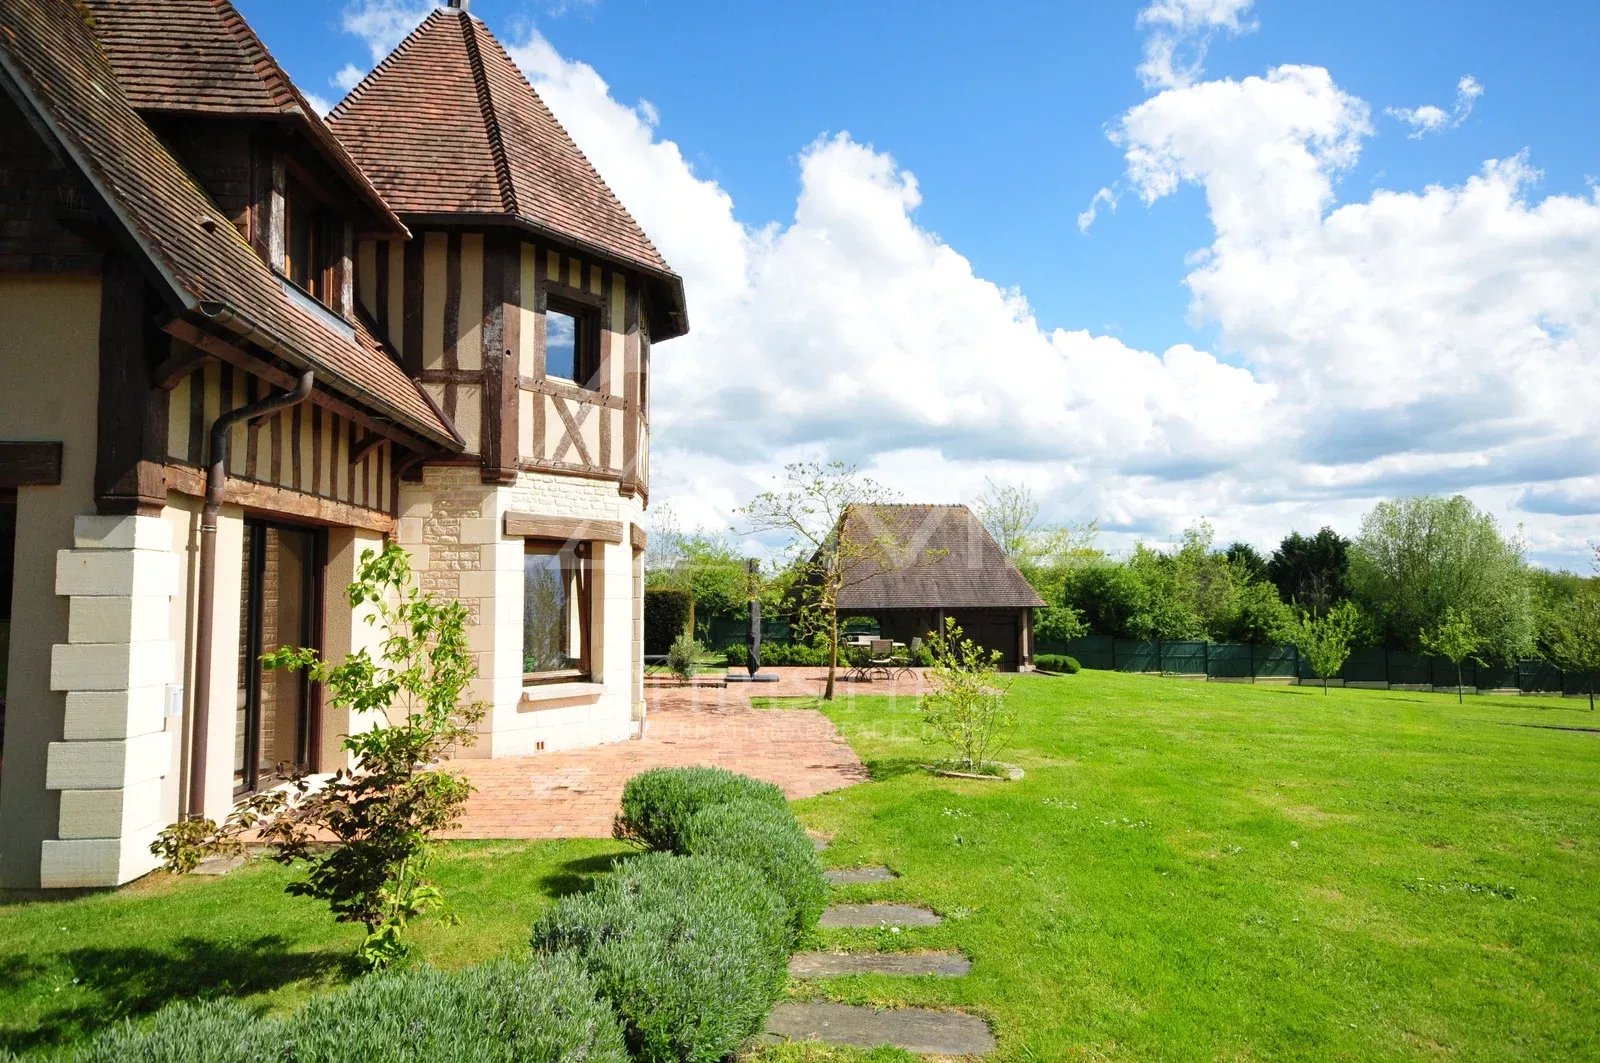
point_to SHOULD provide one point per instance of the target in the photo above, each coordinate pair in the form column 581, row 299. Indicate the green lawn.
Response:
column 69, row 967
column 1189, row 871
column 1211, row 871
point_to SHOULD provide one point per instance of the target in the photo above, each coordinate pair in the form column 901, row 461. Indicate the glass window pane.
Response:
column 560, row 345
column 550, row 637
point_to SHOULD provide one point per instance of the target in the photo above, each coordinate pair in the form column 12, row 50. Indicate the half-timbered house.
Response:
column 241, row 346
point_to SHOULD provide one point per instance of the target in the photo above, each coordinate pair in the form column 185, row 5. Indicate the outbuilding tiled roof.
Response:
column 48, row 51
column 201, row 58
column 448, row 126
column 927, row 557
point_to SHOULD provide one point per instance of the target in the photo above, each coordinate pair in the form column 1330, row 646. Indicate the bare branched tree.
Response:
column 811, row 505
column 1010, row 514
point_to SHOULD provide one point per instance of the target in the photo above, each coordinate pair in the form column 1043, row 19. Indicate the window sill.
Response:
column 542, row 695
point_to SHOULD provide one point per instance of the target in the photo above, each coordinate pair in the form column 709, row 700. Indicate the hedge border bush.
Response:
column 1056, row 662
column 691, row 951
column 772, row 842
column 206, row 1031
column 531, row 1010
column 667, row 614
column 657, row 804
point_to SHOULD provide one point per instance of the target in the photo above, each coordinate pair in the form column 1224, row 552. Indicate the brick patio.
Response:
column 574, row 793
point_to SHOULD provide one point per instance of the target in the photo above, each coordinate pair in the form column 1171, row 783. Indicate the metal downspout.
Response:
column 216, row 479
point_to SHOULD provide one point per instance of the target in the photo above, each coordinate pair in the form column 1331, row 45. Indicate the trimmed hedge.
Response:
column 773, row 843
column 509, row 1011
column 689, row 950
column 1056, row 662
column 211, row 1031
column 667, row 614
column 657, row 804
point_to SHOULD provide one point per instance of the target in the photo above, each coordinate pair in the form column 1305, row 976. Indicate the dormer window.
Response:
column 307, row 260
column 572, row 343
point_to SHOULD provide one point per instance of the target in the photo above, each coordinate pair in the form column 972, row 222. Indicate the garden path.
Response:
column 574, row 793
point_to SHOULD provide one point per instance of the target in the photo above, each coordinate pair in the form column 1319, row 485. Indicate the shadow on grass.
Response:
column 128, row 982
column 882, row 769
column 580, row 875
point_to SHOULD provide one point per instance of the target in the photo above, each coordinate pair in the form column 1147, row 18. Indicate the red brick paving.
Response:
column 574, row 793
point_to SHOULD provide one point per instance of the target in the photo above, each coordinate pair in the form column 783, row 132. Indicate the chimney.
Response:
column 457, row 5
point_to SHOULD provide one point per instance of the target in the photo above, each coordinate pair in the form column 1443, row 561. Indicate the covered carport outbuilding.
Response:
column 912, row 566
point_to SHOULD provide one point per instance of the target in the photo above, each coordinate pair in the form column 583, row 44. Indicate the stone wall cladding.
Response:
column 453, row 524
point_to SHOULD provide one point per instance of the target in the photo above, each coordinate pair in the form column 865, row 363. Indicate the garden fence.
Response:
column 1365, row 667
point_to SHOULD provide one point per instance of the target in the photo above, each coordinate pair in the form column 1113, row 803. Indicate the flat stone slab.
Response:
column 834, row 964
column 819, row 841
column 855, row 876
column 879, row 915
column 919, row 1030
column 218, row 865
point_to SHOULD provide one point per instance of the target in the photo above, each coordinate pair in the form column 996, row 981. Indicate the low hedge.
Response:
column 772, row 842
column 657, row 804
column 691, row 951
column 212, row 1031
column 509, row 1011
column 1056, row 662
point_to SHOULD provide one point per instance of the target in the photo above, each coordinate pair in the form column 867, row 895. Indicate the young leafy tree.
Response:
column 1010, row 514
column 810, row 506
column 1325, row 641
column 1575, row 641
column 965, row 706
column 1454, row 638
column 1417, row 558
column 363, row 835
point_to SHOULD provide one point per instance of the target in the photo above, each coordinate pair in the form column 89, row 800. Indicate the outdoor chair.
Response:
column 882, row 661
column 903, row 660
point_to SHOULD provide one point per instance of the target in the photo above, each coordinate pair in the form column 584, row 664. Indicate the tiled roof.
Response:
column 928, row 557
column 448, row 125
column 49, row 51
column 200, row 57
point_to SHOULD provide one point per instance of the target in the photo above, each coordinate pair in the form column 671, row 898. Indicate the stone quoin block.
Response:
column 110, row 764
column 116, row 572
column 110, row 813
column 93, row 532
column 119, row 619
column 64, row 864
column 111, row 665
column 100, row 714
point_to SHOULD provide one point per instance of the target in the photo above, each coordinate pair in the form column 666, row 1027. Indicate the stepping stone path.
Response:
column 920, row 1030
column 913, row 1029
column 834, row 964
column 855, row 876
column 879, row 915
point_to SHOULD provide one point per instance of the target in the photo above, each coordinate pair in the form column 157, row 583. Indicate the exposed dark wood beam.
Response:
column 30, row 464
column 566, row 529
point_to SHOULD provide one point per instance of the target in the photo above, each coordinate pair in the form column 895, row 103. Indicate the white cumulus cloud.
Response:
column 1430, row 118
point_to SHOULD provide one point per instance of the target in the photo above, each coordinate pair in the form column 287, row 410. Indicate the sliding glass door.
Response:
column 280, row 582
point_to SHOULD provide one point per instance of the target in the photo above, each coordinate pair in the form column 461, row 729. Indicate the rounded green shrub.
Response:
column 510, row 1011
column 772, row 842
column 1056, row 662
column 738, row 655
column 689, row 950
column 657, row 804
column 212, row 1031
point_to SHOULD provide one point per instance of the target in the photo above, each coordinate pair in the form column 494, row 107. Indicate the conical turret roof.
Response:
column 449, row 129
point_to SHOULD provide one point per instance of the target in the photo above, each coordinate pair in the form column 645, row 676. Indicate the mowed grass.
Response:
column 1213, row 871
column 1188, row 871
column 71, row 967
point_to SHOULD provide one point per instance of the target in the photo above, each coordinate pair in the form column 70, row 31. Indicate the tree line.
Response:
column 1428, row 574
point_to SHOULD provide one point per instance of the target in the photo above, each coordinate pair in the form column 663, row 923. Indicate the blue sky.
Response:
column 1011, row 117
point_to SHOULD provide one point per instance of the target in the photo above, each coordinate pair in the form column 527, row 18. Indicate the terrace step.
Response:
column 835, row 964
column 855, row 876
column 879, row 915
column 919, row 1030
